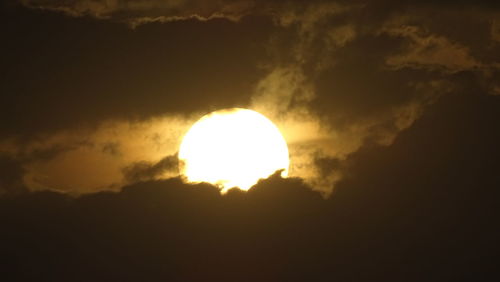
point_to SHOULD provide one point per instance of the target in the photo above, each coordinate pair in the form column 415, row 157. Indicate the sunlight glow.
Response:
column 232, row 148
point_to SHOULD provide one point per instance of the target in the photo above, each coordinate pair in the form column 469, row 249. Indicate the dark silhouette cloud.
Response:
column 11, row 176
column 76, row 74
column 143, row 171
column 424, row 208
column 140, row 12
column 91, row 71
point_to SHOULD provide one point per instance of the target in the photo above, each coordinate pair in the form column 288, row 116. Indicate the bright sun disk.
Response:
column 233, row 148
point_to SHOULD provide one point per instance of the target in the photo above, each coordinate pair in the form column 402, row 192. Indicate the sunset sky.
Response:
column 390, row 110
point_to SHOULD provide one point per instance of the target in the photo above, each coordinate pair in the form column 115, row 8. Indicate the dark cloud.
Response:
column 144, row 171
column 83, row 72
column 353, row 71
column 112, row 148
column 140, row 12
column 11, row 176
column 89, row 71
column 421, row 209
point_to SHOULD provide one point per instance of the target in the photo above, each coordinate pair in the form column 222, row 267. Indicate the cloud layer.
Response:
column 421, row 209
column 334, row 76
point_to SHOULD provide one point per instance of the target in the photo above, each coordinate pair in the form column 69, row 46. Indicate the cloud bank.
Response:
column 421, row 209
column 334, row 76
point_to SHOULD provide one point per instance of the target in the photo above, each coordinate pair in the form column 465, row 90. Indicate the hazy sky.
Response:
column 390, row 109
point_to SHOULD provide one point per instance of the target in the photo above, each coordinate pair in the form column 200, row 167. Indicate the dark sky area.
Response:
column 391, row 110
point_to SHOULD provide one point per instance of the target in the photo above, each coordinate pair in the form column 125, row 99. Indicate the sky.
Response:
column 390, row 110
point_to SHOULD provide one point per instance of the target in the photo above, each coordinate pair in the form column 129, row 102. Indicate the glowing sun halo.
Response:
column 232, row 148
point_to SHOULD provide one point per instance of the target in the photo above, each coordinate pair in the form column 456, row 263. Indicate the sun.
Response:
column 233, row 148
